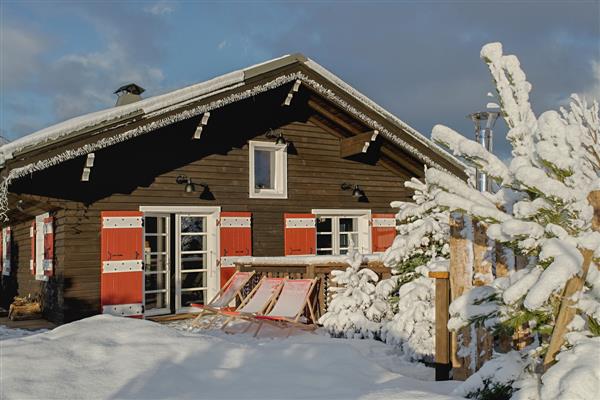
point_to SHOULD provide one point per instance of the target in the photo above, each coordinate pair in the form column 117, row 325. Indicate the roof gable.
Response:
column 162, row 110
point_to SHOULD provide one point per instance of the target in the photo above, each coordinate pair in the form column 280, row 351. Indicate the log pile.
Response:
column 24, row 308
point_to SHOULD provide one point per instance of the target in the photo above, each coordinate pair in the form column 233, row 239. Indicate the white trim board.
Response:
column 337, row 212
column 180, row 209
column 280, row 190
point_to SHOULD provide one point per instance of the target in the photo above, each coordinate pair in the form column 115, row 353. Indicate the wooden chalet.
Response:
column 142, row 208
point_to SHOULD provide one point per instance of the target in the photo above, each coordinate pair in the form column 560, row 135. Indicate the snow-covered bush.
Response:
column 412, row 327
column 420, row 246
column 541, row 211
column 422, row 232
column 352, row 313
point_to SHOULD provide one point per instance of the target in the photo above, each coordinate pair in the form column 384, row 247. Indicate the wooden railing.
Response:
column 301, row 271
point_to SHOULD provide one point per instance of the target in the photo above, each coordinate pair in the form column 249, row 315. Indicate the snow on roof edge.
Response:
column 149, row 105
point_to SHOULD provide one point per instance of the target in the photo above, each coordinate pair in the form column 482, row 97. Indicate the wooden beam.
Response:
column 357, row 144
column 290, row 95
column 442, row 334
column 567, row 309
column 461, row 280
column 326, row 127
column 406, row 162
column 201, row 125
column 87, row 169
column 384, row 161
column 332, row 117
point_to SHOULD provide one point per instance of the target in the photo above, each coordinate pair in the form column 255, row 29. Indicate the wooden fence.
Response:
column 300, row 271
column 471, row 264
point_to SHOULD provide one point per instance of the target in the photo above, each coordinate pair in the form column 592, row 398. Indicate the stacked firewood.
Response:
column 23, row 308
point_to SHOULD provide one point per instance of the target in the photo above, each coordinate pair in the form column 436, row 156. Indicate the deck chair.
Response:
column 293, row 300
column 229, row 292
column 257, row 302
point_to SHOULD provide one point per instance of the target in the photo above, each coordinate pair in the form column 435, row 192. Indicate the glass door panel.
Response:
column 192, row 261
column 156, row 265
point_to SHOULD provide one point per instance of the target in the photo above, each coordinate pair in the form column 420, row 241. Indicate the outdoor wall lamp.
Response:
column 277, row 135
column 191, row 187
column 356, row 190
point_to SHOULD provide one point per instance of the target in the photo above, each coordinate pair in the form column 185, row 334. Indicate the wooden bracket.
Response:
column 87, row 169
column 201, row 125
column 290, row 95
column 357, row 144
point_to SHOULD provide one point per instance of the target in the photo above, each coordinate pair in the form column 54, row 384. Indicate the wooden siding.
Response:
column 142, row 171
column 22, row 283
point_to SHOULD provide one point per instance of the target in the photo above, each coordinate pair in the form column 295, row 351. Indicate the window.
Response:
column 268, row 170
column 337, row 229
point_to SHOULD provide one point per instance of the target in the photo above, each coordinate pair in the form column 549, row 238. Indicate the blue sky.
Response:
column 419, row 59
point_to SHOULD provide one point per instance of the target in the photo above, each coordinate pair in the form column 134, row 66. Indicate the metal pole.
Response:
column 484, row 123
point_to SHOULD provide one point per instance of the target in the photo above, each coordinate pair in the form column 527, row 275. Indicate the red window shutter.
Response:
column 32, row 256
column 6, row 249
column 49, row 246
column 235, row 241
column 300, row 234
column 383, row 231
column 122, row 276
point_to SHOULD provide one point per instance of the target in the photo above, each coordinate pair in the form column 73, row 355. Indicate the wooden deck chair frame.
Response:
column 292, row 323
column 268, row 305
column 207, row 309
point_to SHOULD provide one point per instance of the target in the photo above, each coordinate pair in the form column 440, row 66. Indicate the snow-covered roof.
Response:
column 161, row 104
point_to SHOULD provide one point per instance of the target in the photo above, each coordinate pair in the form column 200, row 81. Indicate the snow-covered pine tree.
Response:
column 420, row 246
column 350, row 313
column 541, row 210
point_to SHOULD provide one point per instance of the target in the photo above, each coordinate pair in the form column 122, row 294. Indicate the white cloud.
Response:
column 87, row 81
column 160, row 8
column 20, row 50
column 224, row 43
column 593, row 92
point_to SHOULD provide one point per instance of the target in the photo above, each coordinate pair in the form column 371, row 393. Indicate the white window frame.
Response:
column 364, row 226
column 280, row 191
column 167, row 290
column 213, row 244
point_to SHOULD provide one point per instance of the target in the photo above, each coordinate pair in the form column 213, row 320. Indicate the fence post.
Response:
column 442, row 334
column 461, row 277
column 567, row 310
column 483, row 275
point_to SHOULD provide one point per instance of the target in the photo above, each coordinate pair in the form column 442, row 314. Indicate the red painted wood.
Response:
column 234, row 242
column 32, row 256
column 382, row 238
column 49, row 244
column 120, row 244
column 300, row 241
column 121, row 288
column 226, row 273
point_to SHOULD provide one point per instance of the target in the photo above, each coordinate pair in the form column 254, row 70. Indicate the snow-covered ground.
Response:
column 11, row 333
column 112, row 357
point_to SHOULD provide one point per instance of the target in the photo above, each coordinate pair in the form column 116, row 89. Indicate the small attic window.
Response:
column 268, row 170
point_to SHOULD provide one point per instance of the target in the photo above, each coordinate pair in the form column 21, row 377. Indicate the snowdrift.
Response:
column 112, row 357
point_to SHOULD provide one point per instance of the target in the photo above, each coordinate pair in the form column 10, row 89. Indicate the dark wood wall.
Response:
column 22, row 283
column 143, row 171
